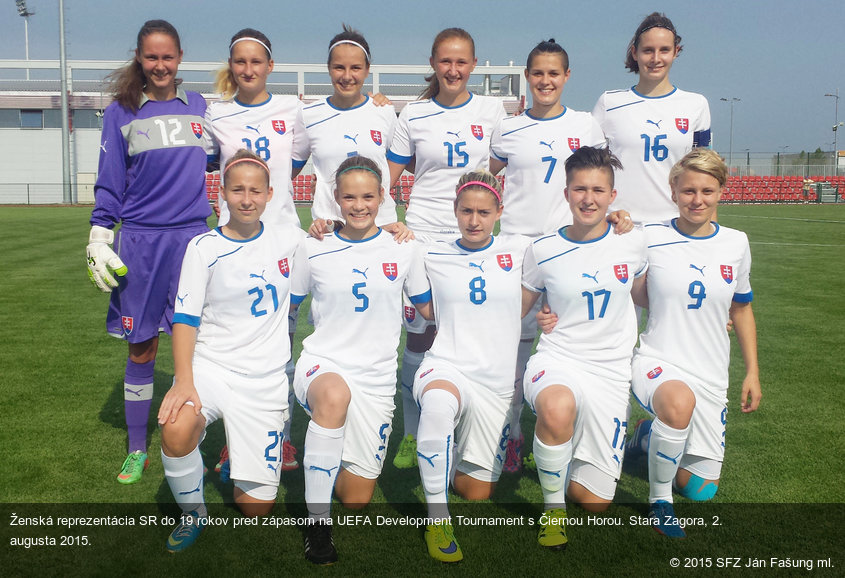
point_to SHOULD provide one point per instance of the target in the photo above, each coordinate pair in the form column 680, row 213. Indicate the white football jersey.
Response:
column 477, row 299
column 356, row 304
column 447, row 142
column 536, row 150
column 237, row 295
column 274, row 131
column 588, row 286
column 691, row 283
column 334, row 134
column 649, row 135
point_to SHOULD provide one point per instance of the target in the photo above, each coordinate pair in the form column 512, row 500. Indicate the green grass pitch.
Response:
column 63, row 439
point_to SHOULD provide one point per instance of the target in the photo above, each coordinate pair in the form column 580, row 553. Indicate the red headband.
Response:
column 482, row 185
column 246, row 160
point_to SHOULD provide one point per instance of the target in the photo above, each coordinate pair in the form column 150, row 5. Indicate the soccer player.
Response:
column 578, row 382
column 229, row 350
column 444, row 134
column 345, row 124
column 464, row 385
column 698, row 278
column 151, row 182
column 346, row 376
column 533, row 147
column 650, row 126
column 271, row 126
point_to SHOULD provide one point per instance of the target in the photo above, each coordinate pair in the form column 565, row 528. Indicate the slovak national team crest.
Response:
column 537, row 377
column 390, row 270
column 284, row 269
column 654, row 372
column 574, row 143
column 477, row 131
column 197, row 128
column 128, row 324
column 376, row 136
column 621, row 272
column 279, row 126
column 426, row 372
column 682, row 124
column 312, row 371
column 727, row 273
column 410, row 313
column 505, row 261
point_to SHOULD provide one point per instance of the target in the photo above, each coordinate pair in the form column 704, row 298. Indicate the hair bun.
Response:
column 552, row 41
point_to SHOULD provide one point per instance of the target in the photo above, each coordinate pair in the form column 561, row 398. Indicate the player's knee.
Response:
column 254, row 499
column 676, row 406
column 556, row 411
column 471, row 489
column 178, row 439
column 143, row 352
column 698, row 489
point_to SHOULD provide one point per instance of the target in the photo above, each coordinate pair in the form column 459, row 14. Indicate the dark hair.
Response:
column 433, row 87
column 653, row 20
column 548, row 47
column 242, row 154
column 224, row 81
column 350, row 33
column 127, row 83
column 592, row 158
column 357, row 163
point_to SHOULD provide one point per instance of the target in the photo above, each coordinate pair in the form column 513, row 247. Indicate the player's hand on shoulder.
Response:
column 103, row 262
column 322, row 227
column 546, row 320
column 379, row 99
column 401, row 233
column 621, row 221
column 181, row 392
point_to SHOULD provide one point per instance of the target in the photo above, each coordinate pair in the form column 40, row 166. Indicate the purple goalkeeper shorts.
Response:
column 142, row 303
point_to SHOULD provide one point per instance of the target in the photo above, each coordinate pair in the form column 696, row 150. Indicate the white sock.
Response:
column 552, row 464
column 410, row 412
column 321, row 462
column 665, row 449
column 184, row 476
column 435, row 438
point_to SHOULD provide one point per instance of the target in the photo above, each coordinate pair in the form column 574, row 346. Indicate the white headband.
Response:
column 332, row 47
column 270, row 52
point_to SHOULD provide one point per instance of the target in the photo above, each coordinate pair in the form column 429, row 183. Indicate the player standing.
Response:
column 346, row 374
column 230, row 350
column 650, row 126
column 345, row 124
column 271, row 126
column 698, row 279
column 533, row 147
column 464, row 385
column 578, row 382
column 444, row 134
column 151, row 181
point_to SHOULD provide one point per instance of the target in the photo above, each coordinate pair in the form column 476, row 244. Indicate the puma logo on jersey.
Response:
column 477, row 266
column 548, row 144
column 145, row 133
column 657, row 123
column 588, row 276
column 699, row 269
column 548, row 473
column 103, row 146
column 255, row 128
column 669, row 458
column 457, row 134
column 257, row 276
column 364, row 272
column 272, row 467
column 428, row 458
column 181, row 299
column 132, row 391
column 352, row 138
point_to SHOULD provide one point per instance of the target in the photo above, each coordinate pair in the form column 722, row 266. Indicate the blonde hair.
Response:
column 245, row 156
column 224, row 80
column 701, row 160
column 479, row 179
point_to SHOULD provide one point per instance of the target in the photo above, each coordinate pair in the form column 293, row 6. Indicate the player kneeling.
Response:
column 698, row 279
column 578, row 382
column 230, row 347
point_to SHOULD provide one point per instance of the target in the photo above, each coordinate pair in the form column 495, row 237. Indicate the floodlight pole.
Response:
column 731, row 100
column 67, row 196
column 25, row 14
column 836, row 125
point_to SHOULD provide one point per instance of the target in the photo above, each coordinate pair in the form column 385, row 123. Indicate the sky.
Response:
column 778, row 57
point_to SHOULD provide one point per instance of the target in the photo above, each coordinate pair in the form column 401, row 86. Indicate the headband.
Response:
column 482, row 185
column 332, row 47
column 646, row 29
column 359, row 168
column 246, row 160
column 267, row 48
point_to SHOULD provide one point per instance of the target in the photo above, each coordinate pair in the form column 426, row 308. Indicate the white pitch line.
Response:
column 794, row 244
column 783, row 219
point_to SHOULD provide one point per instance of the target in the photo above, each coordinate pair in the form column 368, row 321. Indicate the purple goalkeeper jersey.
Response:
column 152, row 164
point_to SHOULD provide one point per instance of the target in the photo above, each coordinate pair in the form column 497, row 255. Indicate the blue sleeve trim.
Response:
column 744, row 297
column 296, row 299
column 421, row 298
column 186, row 319
column 494, row 155
column 398, row 159
column 298, row 164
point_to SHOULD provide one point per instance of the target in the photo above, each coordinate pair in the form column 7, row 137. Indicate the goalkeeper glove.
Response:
column 102, row 261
